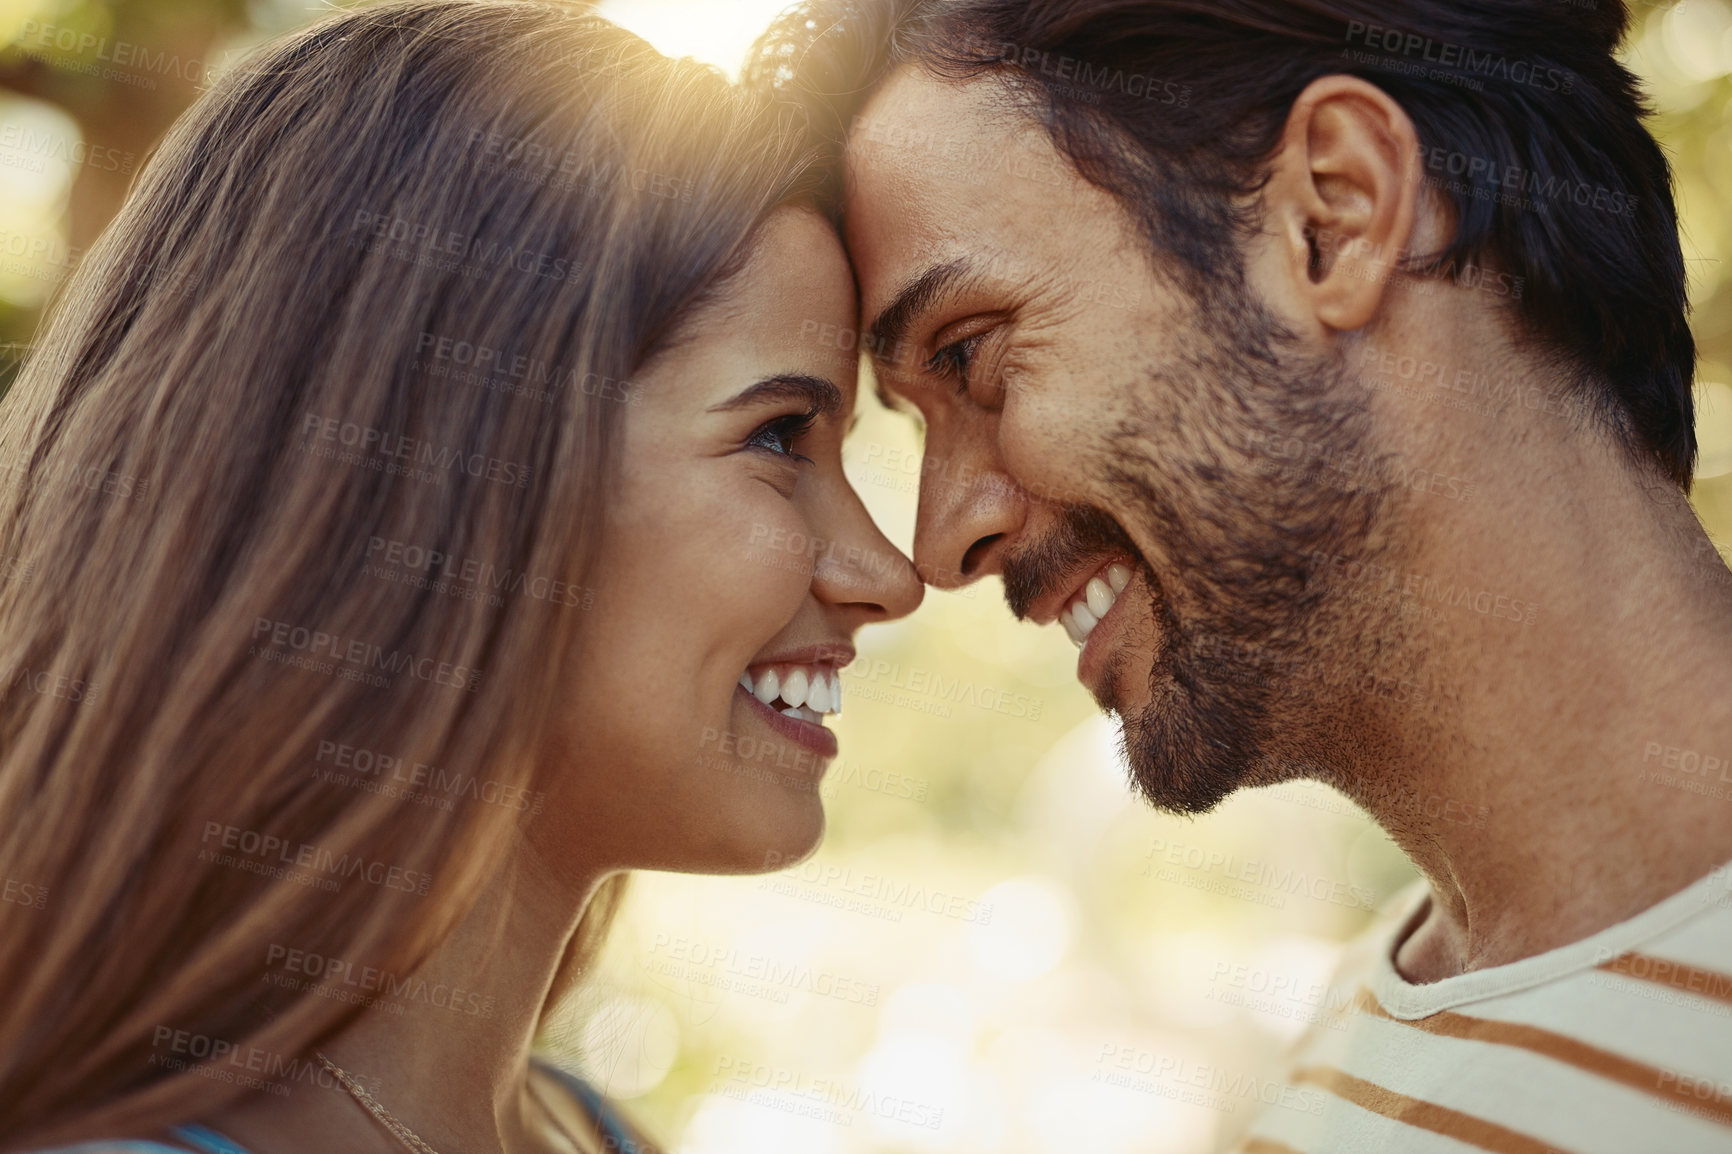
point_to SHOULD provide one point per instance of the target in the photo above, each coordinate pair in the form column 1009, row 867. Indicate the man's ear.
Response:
column 1342, row 197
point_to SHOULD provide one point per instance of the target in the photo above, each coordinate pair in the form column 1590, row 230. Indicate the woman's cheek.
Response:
column 781, row 549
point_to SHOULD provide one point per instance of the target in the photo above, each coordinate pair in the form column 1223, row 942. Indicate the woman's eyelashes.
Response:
column 780, row 435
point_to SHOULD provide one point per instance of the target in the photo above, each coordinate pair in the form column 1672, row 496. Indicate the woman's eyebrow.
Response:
column 821, row 394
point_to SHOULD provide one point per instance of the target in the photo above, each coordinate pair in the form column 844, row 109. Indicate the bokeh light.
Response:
column 999, row 948
column 715, row 31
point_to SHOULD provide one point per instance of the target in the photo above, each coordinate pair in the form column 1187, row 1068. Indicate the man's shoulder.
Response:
column 1631, row 1028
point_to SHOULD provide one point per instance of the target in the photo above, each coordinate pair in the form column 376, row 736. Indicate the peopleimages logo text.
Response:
column 279, row 637
column 267, row 847
column 369, row 440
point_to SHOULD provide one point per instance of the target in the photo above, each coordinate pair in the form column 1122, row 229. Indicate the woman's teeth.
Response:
column 1080, row 617
column 805, row 692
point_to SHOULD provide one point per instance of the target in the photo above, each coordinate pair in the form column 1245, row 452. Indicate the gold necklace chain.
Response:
column 392, row 1123
column 374, row 1107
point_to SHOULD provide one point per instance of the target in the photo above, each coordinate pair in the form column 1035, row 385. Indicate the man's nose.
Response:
column 970, row 509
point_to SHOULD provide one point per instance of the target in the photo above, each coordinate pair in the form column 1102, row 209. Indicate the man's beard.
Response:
column 1249, row 635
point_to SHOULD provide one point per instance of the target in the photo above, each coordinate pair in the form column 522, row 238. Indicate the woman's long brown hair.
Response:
column 260, row 395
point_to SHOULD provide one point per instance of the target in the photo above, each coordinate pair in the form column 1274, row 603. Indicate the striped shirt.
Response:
column 1617, row 1044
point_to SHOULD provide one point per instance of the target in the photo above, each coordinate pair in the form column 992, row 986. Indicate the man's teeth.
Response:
column 1080, row 617
column 1099, row 596
column 806, row 693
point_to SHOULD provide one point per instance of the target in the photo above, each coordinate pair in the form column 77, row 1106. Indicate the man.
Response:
column 1322, row 367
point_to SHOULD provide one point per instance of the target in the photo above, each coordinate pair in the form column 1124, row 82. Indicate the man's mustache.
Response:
column 1036, row 569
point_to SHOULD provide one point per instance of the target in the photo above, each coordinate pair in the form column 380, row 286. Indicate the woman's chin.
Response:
column 771, row 836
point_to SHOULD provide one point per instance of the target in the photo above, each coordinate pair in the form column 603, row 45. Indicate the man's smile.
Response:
column 1086, row 604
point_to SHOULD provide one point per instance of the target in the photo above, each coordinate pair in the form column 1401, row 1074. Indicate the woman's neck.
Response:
column 446, row 1051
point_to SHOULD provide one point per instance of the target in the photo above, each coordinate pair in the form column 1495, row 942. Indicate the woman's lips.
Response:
column 809, row 735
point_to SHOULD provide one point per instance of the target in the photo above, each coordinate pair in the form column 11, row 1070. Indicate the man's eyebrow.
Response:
column 822, row 395
column 891, row 327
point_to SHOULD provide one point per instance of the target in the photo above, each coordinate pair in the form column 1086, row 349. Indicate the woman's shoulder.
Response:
column 114, row 1146
column 197, row 1138
column 618, row 1135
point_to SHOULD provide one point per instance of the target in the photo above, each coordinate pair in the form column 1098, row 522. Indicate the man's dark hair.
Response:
column 1528, row 125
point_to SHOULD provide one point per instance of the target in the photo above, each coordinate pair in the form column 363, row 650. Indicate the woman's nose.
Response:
column 864, row 572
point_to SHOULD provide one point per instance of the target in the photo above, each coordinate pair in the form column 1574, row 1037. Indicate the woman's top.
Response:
column 617, row 1137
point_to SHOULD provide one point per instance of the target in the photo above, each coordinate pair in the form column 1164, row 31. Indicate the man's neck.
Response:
column 1587, row 751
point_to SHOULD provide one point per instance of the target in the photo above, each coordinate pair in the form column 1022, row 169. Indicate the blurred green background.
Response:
column 997, row 948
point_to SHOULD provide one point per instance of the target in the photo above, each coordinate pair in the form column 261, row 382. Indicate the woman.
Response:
column 416, row 492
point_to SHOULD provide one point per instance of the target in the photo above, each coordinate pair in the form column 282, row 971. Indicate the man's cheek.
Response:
column 1045, row 448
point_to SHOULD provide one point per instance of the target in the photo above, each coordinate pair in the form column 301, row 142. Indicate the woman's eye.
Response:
column 782, row 434
column 954, row 361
